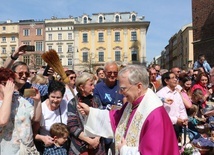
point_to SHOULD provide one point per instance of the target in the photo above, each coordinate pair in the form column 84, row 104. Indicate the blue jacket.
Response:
column 206, row 66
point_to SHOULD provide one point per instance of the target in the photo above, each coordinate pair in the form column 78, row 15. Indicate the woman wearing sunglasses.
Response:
column 16, row 117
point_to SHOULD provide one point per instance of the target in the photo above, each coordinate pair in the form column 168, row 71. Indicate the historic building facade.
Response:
column 83, row 43
column 104, row 37
column 32, row 32
column 9, row 37
column 203, row 29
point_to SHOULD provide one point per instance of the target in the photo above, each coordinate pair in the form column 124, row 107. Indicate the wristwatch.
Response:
column 13, row 58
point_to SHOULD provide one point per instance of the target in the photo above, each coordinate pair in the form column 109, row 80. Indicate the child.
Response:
column 59, row 133
column 192, row 122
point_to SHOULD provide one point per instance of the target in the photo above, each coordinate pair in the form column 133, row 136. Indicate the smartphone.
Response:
column 29, row 48
column 29, row 92
column 45, row 73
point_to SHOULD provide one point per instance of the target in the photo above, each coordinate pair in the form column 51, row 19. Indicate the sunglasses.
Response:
column 33, row 72
column 72, row 77
column 27, row 74
column 110, row 73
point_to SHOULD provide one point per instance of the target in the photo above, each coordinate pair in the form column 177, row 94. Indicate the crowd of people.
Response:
column 126, row 110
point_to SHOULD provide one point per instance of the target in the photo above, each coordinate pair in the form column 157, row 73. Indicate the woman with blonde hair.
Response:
column 80, row 144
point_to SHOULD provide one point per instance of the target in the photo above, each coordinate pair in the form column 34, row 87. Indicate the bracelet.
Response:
column 13, row 58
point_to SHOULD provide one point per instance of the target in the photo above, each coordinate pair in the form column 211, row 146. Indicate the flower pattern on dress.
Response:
column 19, row 128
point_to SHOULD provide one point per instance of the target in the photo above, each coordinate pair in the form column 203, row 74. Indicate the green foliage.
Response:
column 187, row 151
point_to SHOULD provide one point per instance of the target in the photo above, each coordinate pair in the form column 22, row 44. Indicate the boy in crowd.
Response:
column 59, row 133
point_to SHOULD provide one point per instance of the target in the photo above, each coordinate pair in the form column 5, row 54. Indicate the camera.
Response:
column 29, row 48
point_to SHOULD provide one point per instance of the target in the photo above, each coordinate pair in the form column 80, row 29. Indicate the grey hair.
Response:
column 136, row 74
column 82, row 79
column 19, row 63
column 109, row 64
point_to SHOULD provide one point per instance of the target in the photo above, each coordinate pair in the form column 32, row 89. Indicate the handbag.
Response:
column 28, row 150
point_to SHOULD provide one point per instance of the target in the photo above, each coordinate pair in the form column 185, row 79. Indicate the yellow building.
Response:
column 8, row 39
column 119, row 37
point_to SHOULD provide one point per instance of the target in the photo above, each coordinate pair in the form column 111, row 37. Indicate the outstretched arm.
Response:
column 14, row 56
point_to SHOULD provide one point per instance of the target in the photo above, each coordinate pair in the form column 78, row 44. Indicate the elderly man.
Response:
column 107, row 92
column 141, row 126
column 156, row 84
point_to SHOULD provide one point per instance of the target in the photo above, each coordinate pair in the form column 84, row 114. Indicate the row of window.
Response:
column 117, row 55
column 4, row 39
column 116, row 36
column 101, row 19
column 69, row 36
column 26, row 32
column 3, row 50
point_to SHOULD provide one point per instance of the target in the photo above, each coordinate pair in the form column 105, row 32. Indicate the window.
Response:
column 85, row 20
column 117, row 18
column 70, row 49
column 101, row 57
column 59, row 36
column 13, row 38
column 50, row 47
column 100, row 19
column 38, row 60
column 50, row 37
column 133, row 36
column 101, row 38
column 117, row 55
column 39, row 46
column 69, row 36
column 85, row 37
column 26, row 42
column 38, row 32
column 59, row 49
column 117, row 36
column 133, row 18
column 85, row 57
column 12, row 49
column 3, row 50
column 26, row 32
column 3, row 28
column 134, row 55
column 4, row 39
column 70, row 61
column 26, row 59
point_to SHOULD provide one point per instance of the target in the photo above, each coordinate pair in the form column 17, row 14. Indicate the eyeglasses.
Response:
column 125, row 89
column 33, row 72
column 27, row 74
column 110, row 73
column 72, row 77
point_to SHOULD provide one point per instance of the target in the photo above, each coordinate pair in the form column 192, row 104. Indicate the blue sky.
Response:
column 166, row 16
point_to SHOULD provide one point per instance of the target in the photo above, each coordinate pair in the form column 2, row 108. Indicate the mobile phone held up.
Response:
column 29, row 48
column 29, row 92
column 45, row 73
